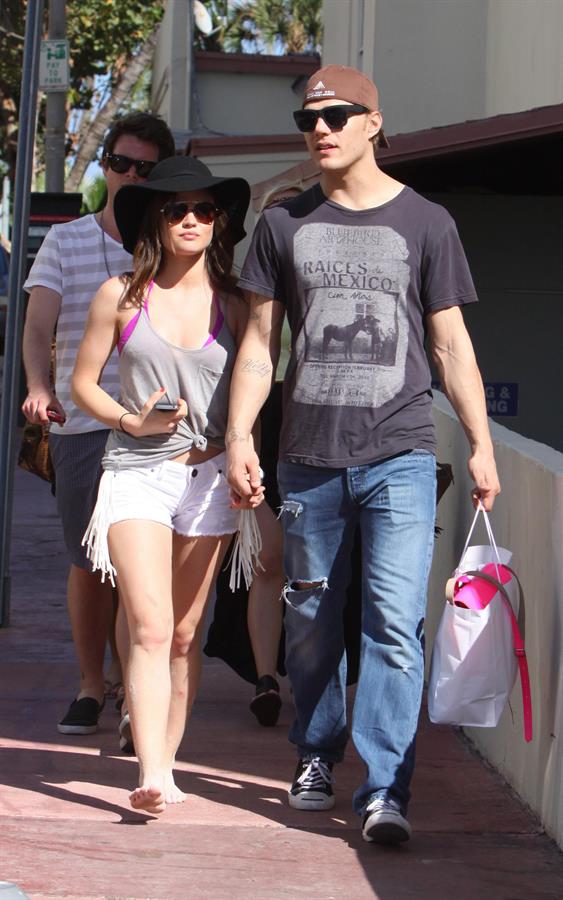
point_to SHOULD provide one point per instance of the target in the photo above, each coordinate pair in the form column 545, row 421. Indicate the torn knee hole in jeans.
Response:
column 293, row 507
column 295, row 586
column 308, row 585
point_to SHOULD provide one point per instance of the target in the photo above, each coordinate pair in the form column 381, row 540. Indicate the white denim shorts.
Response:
column 192, row 500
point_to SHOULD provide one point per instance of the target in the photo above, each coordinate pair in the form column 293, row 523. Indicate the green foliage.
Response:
column 103, row 36
column 94, row 195
column 12, row 27
column 256, row 26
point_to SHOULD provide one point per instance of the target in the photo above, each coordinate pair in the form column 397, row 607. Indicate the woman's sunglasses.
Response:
column 121, row 164
column 334, row 116
column 176, row 211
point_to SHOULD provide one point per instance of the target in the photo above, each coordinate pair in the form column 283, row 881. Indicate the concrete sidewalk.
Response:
column 66, row 829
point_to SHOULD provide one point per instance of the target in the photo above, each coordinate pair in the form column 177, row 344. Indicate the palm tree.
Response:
column 255, row 26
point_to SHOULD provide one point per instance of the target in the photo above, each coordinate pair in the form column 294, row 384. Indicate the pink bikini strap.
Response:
column 218, row 322
column 132, row 323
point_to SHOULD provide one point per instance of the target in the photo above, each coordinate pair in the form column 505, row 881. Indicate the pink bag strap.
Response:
column 517, row 640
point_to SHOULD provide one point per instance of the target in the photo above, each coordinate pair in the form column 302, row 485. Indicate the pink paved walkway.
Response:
column 66, row 829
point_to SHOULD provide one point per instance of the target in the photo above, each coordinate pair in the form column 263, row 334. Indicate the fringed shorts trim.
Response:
column 192, row 500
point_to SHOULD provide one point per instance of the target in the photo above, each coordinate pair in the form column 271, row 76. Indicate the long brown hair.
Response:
column 148, row 255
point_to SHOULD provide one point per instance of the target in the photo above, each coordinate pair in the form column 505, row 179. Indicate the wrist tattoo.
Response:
column 234, row 436
column 255, row 365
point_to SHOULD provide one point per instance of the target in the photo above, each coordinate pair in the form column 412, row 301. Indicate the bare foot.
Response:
column 150, row 798
column 172, row 793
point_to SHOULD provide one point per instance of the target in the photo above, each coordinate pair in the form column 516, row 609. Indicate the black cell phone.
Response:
column 165, row 406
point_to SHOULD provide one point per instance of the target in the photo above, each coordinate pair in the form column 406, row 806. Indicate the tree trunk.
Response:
column 97, row 127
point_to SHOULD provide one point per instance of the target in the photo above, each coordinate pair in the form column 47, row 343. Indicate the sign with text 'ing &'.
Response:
column 501, row 397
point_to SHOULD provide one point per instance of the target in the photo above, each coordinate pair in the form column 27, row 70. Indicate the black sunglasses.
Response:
column 176, row 211
column 334, row 116
column 121, row 164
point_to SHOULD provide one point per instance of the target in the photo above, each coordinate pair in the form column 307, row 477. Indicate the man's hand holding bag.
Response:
column 478, row 647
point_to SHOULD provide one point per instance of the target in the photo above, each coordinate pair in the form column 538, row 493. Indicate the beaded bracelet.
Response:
column 121, row 428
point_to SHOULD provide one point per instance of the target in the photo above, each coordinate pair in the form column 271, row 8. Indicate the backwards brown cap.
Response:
column 343, row 83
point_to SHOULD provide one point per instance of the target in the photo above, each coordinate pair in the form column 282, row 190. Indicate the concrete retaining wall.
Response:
column 527, row 519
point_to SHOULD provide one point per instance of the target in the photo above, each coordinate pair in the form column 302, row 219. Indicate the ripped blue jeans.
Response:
column 393, row 502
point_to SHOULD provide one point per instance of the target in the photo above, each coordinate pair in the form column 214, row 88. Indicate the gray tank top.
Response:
column 202, row 377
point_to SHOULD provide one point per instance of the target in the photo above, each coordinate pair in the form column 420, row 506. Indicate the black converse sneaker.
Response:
column 312, row 784
column 384, row 823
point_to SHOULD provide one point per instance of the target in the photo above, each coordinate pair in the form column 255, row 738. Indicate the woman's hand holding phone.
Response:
column 156, row 417
column 165, row 406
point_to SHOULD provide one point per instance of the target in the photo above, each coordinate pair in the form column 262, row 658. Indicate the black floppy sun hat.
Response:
column 172, row 176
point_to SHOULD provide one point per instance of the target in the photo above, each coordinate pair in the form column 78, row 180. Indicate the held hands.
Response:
column 38, row 404
column 483, row 471
column 243, row 475
column 154, row 421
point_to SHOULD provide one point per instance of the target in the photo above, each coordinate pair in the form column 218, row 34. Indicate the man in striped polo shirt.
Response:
column 73, row 261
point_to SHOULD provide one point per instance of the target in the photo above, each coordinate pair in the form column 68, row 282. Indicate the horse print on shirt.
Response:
column 345, row 334
column 352, row 346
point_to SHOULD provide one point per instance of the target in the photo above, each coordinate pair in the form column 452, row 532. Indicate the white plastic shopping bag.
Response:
column 478, row 648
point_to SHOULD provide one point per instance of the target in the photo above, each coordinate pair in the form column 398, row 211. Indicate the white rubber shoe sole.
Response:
column 386, row 826
column 313, row 800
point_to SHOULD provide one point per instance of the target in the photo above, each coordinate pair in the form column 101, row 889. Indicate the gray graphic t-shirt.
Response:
column 357, row 286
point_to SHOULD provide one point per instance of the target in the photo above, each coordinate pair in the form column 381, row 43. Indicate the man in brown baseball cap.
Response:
column 344, row 83
column 366, row 270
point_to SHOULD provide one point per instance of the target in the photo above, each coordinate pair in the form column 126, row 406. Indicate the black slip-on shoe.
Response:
column 82, row 717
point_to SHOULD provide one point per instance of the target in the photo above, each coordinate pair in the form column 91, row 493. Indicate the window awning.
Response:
column 474, row 135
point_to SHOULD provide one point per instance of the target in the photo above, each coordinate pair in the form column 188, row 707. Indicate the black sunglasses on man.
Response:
column 120, row 164
column 334, row 116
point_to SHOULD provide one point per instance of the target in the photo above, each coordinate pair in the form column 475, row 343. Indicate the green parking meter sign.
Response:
column 53, row 66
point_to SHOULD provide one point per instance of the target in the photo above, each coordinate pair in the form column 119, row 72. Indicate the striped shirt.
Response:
column 71, row 262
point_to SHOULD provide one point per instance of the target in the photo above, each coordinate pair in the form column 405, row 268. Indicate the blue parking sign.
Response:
column 502, row 398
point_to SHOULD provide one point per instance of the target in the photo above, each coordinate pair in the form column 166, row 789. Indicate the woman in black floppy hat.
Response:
column 164, row 516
